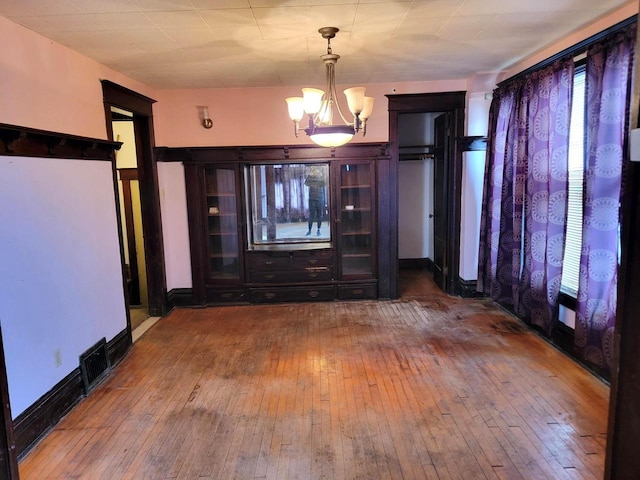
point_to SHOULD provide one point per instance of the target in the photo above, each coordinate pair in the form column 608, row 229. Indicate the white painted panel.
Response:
column 567, row 316
column 471, row 205
column 61, row 286
column 415, row 203
column 175, row 226
column 473, row 163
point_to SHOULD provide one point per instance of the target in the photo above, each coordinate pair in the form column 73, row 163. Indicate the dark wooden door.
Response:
column 441, row 153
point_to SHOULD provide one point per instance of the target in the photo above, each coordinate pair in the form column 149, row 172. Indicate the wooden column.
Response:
column 623, row 461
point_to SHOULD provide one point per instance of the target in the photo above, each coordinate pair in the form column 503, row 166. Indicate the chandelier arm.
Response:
column 332, row 86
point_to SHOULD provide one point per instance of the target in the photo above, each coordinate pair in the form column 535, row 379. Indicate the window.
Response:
column 573, row 245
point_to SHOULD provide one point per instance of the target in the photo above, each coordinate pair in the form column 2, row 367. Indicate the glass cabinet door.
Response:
column 356, row 220
column 222, row 225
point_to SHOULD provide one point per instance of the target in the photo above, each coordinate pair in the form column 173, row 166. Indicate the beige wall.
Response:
column 50, row 87
column 258, row 116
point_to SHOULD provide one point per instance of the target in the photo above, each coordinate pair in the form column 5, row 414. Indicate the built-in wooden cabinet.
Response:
column 356, row 226
column 246, row 248
column 222, row 226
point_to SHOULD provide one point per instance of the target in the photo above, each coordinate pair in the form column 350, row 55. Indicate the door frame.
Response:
column 441, row 148
column 141, row 107
column 446, row 102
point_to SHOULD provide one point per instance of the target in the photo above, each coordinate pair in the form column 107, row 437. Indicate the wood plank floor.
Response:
column 425, row 387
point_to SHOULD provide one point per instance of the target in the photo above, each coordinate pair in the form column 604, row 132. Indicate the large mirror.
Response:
column 289, row 203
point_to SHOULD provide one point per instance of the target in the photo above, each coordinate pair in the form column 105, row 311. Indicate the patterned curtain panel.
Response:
column 496, row 224
column 525, row 196
column 608, row 87
column 543, row 171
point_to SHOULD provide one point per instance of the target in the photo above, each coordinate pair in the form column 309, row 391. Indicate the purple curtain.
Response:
column 496, row 222
column 524, row 204
column 608, row 87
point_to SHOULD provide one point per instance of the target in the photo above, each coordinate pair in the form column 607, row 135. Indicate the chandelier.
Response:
column 319, row 105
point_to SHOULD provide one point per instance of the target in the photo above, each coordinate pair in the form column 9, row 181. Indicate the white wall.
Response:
column 175, row 227
column 60, row 270
column 415, row 197
column 415, row 203
column 473, row 163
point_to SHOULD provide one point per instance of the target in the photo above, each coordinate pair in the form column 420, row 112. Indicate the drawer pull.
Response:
column 358, row 291
column 269, row 296
column 313, row 275
column 269, row 277
column 268, row 262
column 313, row 261
column 314, row 293
column 226, row 295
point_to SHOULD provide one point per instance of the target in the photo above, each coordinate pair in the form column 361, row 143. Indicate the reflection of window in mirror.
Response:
column 289, row 203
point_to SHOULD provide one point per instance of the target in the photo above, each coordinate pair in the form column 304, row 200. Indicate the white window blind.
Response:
column 573, row 246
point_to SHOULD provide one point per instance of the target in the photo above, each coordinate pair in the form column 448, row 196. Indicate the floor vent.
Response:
column 94, row 365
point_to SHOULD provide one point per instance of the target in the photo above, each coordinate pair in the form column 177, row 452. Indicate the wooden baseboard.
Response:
column 467, row 288
column 37, row 420
column 119, row 346
column 416, row 264
column 179, row 297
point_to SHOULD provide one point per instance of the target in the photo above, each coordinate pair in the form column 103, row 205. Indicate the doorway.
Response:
column 126, row 108
column 131, row 216
column 445, row 169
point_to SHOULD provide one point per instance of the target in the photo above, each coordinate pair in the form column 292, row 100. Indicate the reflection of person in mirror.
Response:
column 316, row 183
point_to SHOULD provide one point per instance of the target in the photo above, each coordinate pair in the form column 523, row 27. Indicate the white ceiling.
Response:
column 251, row 43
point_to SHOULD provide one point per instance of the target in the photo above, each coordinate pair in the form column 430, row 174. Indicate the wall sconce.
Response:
column 206, row 120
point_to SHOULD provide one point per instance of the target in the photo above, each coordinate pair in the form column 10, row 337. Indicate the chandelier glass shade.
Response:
column 319, row 105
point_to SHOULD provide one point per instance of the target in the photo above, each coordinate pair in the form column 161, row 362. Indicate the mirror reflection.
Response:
column 289, row 203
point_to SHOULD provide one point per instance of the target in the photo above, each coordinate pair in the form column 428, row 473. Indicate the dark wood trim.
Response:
column 567, row 300
column 179, row 297
column 133, row 280
column 427, row 102
column 416, row 264
column 386, row 173
column 128, row 174
column 119, row 346
column 455, row 198
column 622, row 460
column 467, row 288
column 562, row 336
column 454, row 103
column 474, row 143
column 8, row 456
column 37, row 420
column 127, row 99
column 29, row 142
column 267, row 154
column 195, row 192
column 142, row 109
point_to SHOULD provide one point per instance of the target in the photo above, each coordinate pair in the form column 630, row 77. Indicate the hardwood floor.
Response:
column 425, row 387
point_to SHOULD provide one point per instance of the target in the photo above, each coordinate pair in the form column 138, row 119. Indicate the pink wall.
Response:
column 628, row 10
column 258, row 116
column 50, row 87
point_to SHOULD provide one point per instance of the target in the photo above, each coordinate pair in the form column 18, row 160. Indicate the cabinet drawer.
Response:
column 313, row 258
column 317, row 293
column 355, row 291
column 268, row 261
column 294, row 275
column 226, row 295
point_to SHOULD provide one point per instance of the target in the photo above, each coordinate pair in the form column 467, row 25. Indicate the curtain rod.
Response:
column 576, row 49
